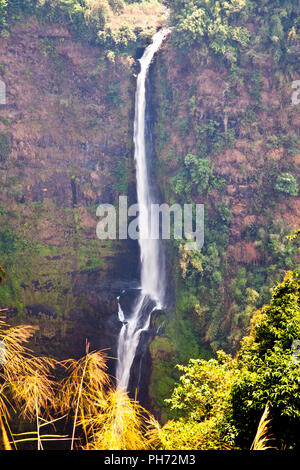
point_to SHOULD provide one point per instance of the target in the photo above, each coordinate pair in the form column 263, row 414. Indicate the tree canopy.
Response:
column 115, row 24
column 218, row 403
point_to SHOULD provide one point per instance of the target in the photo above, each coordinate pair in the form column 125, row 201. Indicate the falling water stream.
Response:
column 151, row 294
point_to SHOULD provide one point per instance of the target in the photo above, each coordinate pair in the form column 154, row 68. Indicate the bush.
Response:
column 4, row 147
column 270, row 373
column 286, row 183
column 197, row 174
column 212, row 22
column 221, row 400
column 3, row 13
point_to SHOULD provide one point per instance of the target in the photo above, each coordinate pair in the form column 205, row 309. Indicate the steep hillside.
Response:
column 65, row 136
column 227, row 135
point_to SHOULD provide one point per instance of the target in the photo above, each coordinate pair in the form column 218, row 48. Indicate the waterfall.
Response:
column 152, row 289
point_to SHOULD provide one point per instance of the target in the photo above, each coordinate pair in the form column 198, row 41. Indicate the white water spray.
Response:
column 152, row 290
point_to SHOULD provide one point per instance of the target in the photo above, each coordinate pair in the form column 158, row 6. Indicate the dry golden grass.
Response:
column 120, row 425
column 263, row 436
column 5, row 439
column 155, row 435
column 26, row 379
column 83, row 391
column 2, row 274
column 87, row 379
column 108, row 419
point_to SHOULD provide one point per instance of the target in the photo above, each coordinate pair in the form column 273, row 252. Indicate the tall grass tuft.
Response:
column 101, row 417
column 263, row 436
column 26, row 379
column 119, row 425
column 83, row 391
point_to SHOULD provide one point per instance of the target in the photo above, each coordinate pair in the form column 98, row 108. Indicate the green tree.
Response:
column 196, row 174
column 276, row 29
column 3, row 13
column 200, row 171
column 286, row 183
column 269, row 373
column 212, row 22
column 220, row 402
column 200, row 402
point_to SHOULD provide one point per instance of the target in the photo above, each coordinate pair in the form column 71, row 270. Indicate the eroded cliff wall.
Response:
column 65, row 147
column 225, row 137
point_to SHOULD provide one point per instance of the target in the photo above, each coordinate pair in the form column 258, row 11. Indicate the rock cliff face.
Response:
column 245, row 130
column 65, row 147
column 253, row 113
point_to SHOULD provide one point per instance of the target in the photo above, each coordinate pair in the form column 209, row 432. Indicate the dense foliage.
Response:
column 211, row 22
column 231, row 145
column 287, row 183
column 115, row 24
column 270, row 368
column 227, row 27
column 220, row 401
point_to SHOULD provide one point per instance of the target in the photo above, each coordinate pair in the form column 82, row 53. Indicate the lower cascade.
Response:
column 150, row 296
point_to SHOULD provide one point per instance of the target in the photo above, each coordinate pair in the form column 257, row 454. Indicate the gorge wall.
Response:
column 66, row 146
column 225, row 139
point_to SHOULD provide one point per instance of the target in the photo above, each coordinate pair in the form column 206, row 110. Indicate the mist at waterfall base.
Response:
column 137, row 305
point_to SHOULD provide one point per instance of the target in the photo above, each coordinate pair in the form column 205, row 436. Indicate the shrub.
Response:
column 4, row 147
column 286, row 183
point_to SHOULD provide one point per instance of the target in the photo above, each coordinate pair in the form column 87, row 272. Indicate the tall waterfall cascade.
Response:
column 152, row 289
